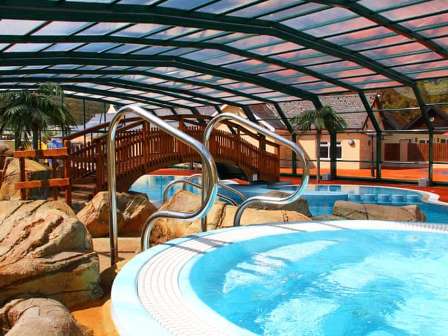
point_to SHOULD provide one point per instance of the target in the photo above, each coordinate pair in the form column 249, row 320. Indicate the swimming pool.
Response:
column 321, row 198
column 330, row 278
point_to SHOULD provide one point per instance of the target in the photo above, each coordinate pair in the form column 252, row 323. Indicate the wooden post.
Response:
column 67, row 168
column 22, row 176
column 99, row 166
column 54, row 166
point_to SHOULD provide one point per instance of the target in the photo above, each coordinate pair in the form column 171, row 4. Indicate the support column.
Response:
column 293, row 155
column 333, row 158
column 427, row 120
column 431, row 157
column 378, row 132
column 379, row 154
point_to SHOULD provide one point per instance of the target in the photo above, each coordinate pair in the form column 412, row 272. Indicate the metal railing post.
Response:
column 262, row 199
column 208, row 165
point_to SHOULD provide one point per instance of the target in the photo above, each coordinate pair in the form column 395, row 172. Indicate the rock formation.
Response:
column 220, row 216
column 133, row 210
column 350, row 210
column 300, row 205
column 38, row 316
column 46, row 251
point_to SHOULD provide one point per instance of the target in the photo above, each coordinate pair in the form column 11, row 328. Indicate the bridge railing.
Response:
column 141, row 148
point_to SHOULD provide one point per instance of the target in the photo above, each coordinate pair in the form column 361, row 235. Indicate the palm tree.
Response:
column 31, row 111
column 321, row 119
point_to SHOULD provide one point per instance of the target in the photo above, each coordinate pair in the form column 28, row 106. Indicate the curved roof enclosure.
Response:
column 187, row 54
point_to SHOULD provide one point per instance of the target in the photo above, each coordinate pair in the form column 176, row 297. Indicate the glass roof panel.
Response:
column 18, row 27
column 139, row 30
column 223, row 6
column 182, row 4
column 430, row 74
column 341, row 27
column 320, row 18
column 61, row 28
column 201, row 35
column 138, row 2
column 26, row 47
column 97, row 47
column 277, row 48
column 293, row 12
column 404, row 49
column 429, row 21
column 126, row 48
column 256, row 42
column 429, row 56
column 152, row 50
column 229, row 38
column 385, row 41
column 435, row 32
column 427, row 7
column 422, row 66
column 103, row 28
column 378, row 5
column 63, row 46
column 172, row 32
column 205, row 54
column 265, row 7
column 442, row 41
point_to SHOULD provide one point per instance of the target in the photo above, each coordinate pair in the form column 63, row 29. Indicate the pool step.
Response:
column 384, row 198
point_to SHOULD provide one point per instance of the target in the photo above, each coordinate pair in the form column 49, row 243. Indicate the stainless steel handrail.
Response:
column 294, row 147
column 208, row 167
column 222, row 185
column 186, row 181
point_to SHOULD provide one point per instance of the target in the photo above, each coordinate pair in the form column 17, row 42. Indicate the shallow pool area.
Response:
column 321, row 198
column 321, row 278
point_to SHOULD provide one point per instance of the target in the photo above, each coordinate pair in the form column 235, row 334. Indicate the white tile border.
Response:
column 147, row 297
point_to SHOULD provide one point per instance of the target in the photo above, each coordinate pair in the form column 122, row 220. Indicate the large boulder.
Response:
column 34, row 171
column 300, row 205
column 46, row 251
column 38, row 316
column 220, row 216
column 350, row 210
column 133, row 210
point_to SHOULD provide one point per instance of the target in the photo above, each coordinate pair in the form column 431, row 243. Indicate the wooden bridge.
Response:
column 141, row 149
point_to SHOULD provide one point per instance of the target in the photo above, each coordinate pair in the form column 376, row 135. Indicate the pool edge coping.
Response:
column 125, row 292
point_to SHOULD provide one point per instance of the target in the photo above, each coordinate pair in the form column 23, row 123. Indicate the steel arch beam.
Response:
column 80, row 89
column 173, row 43
column 153, row 88
column 44, row 58
column 134, row 72
column 383, row 21
column 50, row 10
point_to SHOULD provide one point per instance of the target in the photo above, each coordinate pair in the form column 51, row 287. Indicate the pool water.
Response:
column 321, row 198
column 343, row 282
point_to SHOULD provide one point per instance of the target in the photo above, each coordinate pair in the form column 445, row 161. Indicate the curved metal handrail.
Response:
column 222, row 185
column 209, row 169
column 294, row 147
column 186, row 181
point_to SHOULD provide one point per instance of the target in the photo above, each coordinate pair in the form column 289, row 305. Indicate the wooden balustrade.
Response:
column 141, row 149
column 55, row 182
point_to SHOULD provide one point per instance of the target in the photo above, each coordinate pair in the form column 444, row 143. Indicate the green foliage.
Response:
column 28, row 112
column 324, row 118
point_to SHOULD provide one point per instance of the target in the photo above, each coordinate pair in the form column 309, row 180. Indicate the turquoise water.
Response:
column 321, row 198
column 333, row 283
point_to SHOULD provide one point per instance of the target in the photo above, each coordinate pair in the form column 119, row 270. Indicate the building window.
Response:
column 325, row 150
column 443, row 141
